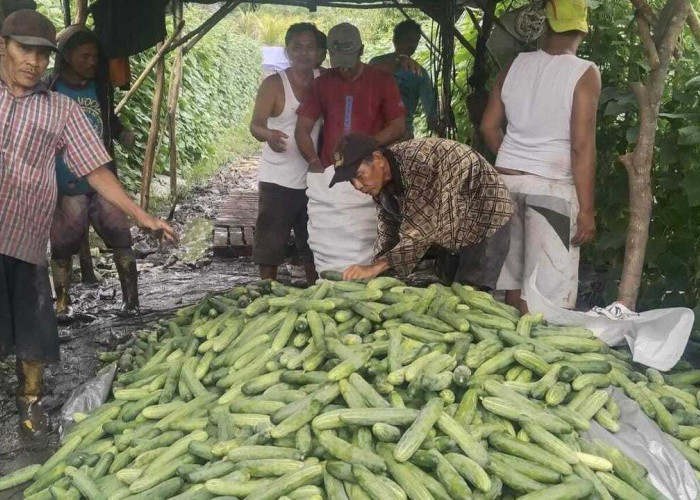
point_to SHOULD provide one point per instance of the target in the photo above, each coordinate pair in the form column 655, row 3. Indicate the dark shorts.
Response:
column 27, row 321
column 280, row 210
column 476, row 265
column 72, row 219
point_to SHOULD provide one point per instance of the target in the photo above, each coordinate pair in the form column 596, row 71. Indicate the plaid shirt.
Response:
column 447, row 195
column 33, row 129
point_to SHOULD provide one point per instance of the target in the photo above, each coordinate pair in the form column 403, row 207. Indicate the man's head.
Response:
column 345, row 48
column 322, row 47
column 301, row 45
column 359, row 160
column 407, row 37
column 79, row 52
column 28, row 38
column 567, row 17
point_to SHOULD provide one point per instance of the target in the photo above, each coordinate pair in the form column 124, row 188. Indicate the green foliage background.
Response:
column 221, row 76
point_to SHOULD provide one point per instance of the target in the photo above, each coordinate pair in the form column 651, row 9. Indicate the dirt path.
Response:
column 168, row 279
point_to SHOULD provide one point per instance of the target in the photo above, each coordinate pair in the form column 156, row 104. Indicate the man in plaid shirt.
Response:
column 430, row 192
column 35, row 125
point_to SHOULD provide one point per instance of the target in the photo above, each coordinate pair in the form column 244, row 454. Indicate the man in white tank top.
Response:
column 548, row 99
column 282, row 205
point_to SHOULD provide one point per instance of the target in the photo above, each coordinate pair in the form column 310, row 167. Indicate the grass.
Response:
column 233, row 144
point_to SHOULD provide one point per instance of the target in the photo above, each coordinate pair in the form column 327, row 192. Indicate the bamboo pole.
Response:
column 173, row 94
column 160, row 54
column 151, row 146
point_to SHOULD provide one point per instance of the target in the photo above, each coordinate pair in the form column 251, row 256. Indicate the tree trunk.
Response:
column 638, row 163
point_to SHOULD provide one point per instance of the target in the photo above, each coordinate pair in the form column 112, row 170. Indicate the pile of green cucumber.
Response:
column 363, row 390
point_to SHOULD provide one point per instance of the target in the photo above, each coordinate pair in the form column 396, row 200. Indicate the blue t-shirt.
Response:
column 414, row 88
column 69, row 184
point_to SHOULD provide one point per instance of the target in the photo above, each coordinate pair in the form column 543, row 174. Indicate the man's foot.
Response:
column 33, row 417
column 128, row 278
column 616, row 310
column 129, row 310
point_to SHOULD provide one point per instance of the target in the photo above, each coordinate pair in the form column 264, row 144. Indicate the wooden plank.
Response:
column 221, row 238
column 239, row 209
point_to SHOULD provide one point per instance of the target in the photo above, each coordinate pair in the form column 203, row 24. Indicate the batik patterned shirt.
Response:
column 448, row 195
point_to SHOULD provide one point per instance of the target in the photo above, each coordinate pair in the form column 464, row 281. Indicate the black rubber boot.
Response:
column 125, row 261
column 33, row 417
column 87, row 269
column 61, row 270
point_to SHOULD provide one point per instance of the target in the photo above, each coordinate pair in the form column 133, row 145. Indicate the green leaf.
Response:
column 693, row 83
column 688, row 136
column 691, row 186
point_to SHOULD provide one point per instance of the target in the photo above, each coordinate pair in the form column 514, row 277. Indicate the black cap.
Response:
column 28, row 27
column 349, row 153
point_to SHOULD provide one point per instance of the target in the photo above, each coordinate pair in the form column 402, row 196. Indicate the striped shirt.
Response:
column 33, row 129
column 447, row 195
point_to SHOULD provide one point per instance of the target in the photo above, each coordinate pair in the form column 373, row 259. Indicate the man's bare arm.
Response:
column 583, row 151
column 306, row 146
column 105, row 183
column 263, row 110
column 393, row 131
column 494, row 116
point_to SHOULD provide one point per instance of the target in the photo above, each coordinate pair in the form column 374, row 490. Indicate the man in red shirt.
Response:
column 351, row 97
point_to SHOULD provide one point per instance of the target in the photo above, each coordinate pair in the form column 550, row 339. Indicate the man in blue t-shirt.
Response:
column 416, row 85
column 82, row 75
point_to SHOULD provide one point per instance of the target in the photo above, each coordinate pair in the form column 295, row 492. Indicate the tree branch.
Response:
column 694, row 23
column 645, row 9
column 647, row 40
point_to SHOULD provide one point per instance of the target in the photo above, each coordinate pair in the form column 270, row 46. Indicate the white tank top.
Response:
column 286, row 169
column 538, row 95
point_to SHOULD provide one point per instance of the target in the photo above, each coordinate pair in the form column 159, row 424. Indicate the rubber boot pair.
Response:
column 33, row 417
column 125, row 261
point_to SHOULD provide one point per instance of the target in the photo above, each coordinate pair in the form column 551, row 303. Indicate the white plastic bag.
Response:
column 641, row 439
column 656, row 338
column 342, row 223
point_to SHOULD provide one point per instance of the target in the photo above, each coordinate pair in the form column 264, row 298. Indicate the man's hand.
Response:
column 127, row 138
column 158, row 225
column 585, row 228
column 276, row 141
column 358, row 272
column 315, row 166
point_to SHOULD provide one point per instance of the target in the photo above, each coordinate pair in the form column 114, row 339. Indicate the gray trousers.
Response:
column 476, row 265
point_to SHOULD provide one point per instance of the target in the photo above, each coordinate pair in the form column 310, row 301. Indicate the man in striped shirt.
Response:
column 35, row 125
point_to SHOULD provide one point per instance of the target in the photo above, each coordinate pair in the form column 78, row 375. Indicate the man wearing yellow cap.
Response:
column 548, row 99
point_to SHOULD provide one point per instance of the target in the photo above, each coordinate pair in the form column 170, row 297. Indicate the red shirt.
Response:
column 364, row 105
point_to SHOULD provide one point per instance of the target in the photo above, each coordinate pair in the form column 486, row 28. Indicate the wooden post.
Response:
column 173, row 94
column 638, row 162
column 151, row 146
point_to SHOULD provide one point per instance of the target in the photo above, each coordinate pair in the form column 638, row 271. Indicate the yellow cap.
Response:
column 567, row 15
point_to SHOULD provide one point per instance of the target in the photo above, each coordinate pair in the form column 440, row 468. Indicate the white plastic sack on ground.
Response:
column 656, row 338
column 641, row 439
column 86, row 397
column 342, row 223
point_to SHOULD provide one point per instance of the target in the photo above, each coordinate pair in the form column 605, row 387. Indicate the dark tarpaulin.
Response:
column 128, row 27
